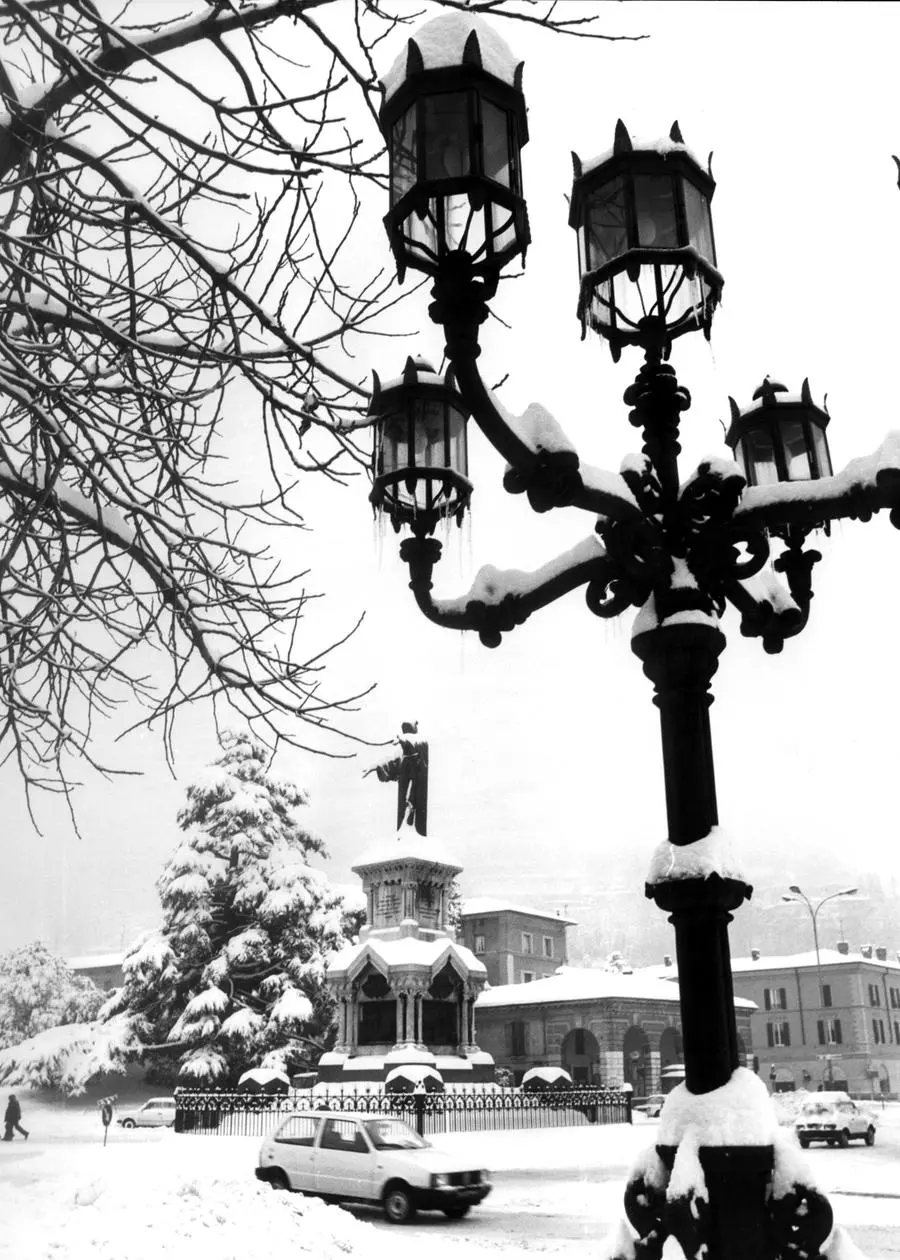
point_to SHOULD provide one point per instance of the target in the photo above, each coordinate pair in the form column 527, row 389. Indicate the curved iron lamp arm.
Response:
column 502, row 609
column 864, row 487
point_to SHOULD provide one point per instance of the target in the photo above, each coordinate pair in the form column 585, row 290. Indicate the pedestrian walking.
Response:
column 12, row 1119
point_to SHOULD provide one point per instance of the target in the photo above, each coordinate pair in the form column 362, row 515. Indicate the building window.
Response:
column 527, row 943
column 829, row 1032
column 826, row 995
column 895, row 998
column 527, row 977
column 479, row 944
column 775, row 999
column 878, row 1030
column 778, row 1034
column 897, row 1031
column 517, row 1040
column 874, row 995
column 548, row 946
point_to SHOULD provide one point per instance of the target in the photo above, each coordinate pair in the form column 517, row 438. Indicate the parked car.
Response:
column 156, row 1113
column 651, row 1106
column 342, row 1156
column 833, row 1117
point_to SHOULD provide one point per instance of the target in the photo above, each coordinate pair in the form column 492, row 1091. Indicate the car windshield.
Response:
column 817, row 1109
column 393, row 1135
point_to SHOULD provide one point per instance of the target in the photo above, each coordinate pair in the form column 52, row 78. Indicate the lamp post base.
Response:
column 724, row 1203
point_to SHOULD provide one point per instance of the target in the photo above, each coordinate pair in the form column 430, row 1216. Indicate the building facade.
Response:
column 604, row 1028
column 846, row 1038
column 104, row 969
column 515, row 944
column 406, row 991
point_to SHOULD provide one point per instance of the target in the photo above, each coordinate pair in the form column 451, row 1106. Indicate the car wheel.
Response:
column 870, row 1136
column 804, row 1142
column 278, row 1180
column 127, row 1124
column 458, row 1211
column 397, row 1204
column 844, row 1139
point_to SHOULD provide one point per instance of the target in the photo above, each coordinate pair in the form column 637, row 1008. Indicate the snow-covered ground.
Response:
column 152, row 1193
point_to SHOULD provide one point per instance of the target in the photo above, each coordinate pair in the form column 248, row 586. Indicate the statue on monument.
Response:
column 409, row 770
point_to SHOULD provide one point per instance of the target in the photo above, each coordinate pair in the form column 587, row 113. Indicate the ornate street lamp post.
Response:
column 454, row 122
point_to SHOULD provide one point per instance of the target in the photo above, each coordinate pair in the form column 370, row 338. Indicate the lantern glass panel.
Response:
column 495, row 130
column 796, row 450
column 446, row 126
column 823, row 458
column 606, row 232
column 657, row 221
column 403, row 155
column 699, row 223
column 459, row 460
column 394, row 442
column 429, row 435
column 759, row 456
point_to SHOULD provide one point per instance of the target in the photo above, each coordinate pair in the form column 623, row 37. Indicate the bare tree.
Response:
column 181, row 250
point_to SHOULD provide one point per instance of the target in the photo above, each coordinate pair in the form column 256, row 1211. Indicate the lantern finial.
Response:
column 675, row 133
column 472, row 50
column 622, row 142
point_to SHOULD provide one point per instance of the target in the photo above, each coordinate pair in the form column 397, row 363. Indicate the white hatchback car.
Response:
column 156, row 1113
column 832, row 1116
column 369, row 1159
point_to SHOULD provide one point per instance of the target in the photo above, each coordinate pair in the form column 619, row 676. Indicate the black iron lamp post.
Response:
column 677, row 551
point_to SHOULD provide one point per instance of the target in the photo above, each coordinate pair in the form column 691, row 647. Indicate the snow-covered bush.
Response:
column 38, row 990
column 234, row 977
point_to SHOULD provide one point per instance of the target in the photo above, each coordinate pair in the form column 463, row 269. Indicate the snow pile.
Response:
column 648, row 618
column 140, row 1207
column 738, row 1114
column 711, row 855
column 441, row 43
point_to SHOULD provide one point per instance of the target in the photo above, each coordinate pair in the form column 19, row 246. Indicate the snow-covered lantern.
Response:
column 646, row 254
column 420, row 459
column 454, row 122
column 780, row 436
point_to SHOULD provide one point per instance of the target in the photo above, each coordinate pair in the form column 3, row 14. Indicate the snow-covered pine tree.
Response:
column 235, row 976
column 38, row 990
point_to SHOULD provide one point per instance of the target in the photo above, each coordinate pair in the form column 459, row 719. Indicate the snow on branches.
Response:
column 235, row 975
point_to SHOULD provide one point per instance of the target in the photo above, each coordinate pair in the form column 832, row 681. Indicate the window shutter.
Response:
column 782, row 999
column 820, row 1025
column 770, row 1034
column 785, row 1034
column 826, row 994
column 767, row 995
column 837, row 1031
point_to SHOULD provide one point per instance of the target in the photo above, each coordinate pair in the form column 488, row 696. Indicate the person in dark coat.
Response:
column 12, row 1119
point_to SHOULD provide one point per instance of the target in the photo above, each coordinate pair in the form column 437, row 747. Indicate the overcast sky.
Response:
column 545, row 759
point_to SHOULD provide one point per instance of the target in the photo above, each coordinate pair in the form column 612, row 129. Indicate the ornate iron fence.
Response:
column 470, row 1110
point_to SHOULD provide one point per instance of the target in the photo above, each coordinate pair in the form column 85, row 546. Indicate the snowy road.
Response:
column 153, row 1193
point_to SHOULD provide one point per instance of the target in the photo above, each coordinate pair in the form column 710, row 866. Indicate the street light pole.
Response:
column 454, row 121
column 799, row 896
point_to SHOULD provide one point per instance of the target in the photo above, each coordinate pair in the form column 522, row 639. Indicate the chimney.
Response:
column 755, row 954
column 667, row 960
column 866, row 951
column 881, row 953
column 843, row 947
